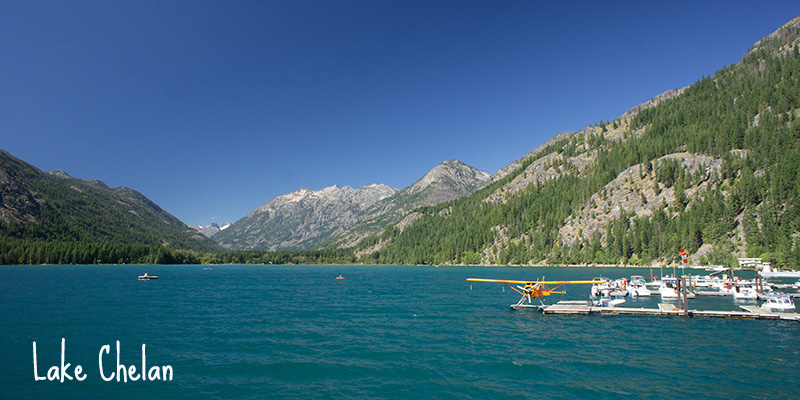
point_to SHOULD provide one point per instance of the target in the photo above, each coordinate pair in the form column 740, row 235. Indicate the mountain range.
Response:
column 711, row 168
column 307, row 219
column 54, row 207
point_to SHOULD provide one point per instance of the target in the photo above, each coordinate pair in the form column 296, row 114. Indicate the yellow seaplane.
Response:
column 534, row 289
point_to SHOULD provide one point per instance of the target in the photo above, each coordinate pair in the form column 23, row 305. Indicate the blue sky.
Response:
column 213, row 108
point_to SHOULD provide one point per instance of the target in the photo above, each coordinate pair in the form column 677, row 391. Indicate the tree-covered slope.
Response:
column 54, row 208
column 745, row 120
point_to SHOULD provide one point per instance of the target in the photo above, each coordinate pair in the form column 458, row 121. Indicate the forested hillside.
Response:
column 745, row 119
column 54, row 218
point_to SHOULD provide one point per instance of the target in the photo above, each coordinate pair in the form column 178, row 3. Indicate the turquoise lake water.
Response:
column 394, row 332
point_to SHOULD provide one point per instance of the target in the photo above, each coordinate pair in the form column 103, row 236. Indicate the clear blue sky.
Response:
column 212, row 108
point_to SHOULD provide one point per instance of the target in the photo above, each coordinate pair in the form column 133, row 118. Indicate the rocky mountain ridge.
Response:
column 58, row 207
column 447, row 181
column 212, row 229
column 610, row 131
column 306, row 219
column 302, row 219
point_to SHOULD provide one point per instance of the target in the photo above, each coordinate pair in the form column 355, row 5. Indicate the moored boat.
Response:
column 615, row 288
column 608, row 302
column 768, row 272
column 637, row 286
column 744, row 292
column 669, row 289
column 779, row 303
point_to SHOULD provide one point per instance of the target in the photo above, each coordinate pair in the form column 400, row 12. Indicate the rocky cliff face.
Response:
column 786, row 37
column 635, row 190
column 19, row 203
column 342, row 217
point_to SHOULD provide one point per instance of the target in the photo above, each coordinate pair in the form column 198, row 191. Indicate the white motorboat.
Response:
column 744, row 292
column 600, row 289
column 637, row 286
column 768, row 272
column 147, row 277
column 616, row 288
column 706, row 281
column 669, row 289
column 779, row 303
column 726, row 287
column 654, row 284
column 608, row 302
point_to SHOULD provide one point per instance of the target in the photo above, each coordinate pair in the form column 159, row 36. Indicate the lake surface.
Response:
column 395, row 332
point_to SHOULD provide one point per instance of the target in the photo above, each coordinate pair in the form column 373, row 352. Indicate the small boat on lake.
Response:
column 778, row 303
column 147, row 277
column 339, row 277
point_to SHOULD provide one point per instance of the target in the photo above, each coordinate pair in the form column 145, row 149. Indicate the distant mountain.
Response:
column 307, row 219
column 55, row 207
column 447, row 181
column 302, row 219
column 211, row 230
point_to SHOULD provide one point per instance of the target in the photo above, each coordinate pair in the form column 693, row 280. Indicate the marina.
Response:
column 608, row 296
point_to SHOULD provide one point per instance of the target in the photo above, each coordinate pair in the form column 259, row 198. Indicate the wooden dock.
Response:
column 583, row 307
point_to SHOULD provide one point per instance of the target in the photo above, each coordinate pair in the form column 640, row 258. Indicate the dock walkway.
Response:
column 583, row 307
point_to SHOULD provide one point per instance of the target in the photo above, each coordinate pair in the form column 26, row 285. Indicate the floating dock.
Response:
column 665, row 309
column 728, row 294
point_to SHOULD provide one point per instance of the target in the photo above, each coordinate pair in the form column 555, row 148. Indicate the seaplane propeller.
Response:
column 528, row 289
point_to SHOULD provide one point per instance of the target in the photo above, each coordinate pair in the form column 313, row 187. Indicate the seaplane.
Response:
column 534, row 289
